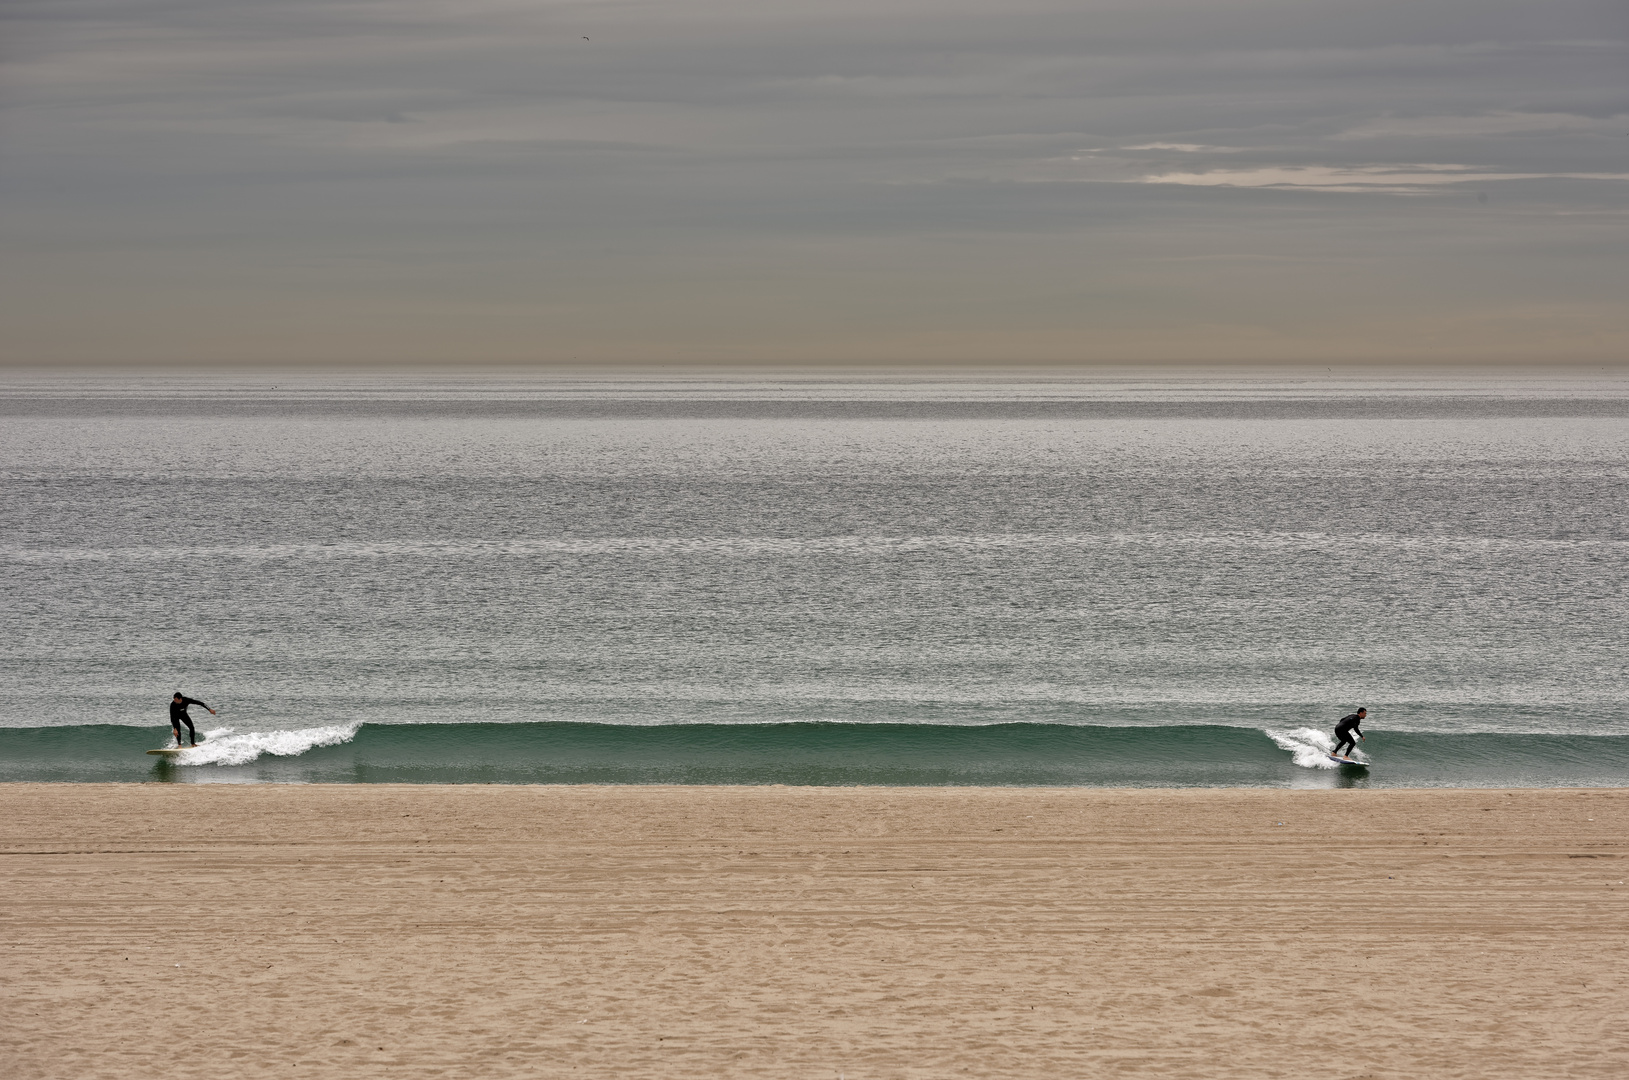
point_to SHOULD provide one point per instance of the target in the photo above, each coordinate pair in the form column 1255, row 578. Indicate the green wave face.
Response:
column 814, row 754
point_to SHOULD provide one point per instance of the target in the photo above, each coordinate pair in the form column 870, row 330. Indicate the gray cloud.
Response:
column 198, row 180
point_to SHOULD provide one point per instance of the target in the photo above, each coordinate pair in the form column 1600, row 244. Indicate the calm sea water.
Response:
column 1172, row 580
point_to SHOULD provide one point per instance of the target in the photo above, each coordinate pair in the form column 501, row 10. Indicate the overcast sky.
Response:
column 813, row 180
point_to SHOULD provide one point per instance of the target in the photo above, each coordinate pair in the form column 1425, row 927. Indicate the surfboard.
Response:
column 1332, row 757
column 171, row 751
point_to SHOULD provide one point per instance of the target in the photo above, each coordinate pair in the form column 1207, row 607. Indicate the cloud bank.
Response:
column 187, row 181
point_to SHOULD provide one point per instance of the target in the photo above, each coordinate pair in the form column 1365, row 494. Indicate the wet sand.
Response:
column 362, row 931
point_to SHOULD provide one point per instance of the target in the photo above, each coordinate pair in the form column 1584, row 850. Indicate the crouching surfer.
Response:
column 178, row 716
column 1347, row 727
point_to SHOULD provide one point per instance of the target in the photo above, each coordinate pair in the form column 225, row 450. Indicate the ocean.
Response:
column 1168, row 579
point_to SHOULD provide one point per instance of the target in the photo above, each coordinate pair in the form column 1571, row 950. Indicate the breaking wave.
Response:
column 223, row 746
column 817, row 753
column 1310, row 747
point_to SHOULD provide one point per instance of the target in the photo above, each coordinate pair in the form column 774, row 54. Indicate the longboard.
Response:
column 1332, row 757
column 171, row 751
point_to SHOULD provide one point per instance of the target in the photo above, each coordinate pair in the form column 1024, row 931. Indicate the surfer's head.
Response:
column 178, row 698
column 1361, row 711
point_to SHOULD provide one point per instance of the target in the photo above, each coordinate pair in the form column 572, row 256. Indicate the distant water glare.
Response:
column 320, row 559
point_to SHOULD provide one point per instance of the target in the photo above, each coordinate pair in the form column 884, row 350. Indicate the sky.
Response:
column 791, row 181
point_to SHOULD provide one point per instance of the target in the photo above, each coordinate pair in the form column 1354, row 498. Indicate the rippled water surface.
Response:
column 1262, row 554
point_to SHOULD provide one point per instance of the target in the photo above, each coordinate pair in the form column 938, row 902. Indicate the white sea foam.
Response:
column 1309, row 747
column 223, row 746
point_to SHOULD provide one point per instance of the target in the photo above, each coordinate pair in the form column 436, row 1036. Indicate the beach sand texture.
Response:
column 362, row 931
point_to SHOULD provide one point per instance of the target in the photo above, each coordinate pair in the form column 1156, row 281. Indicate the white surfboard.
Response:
column 1332, row 757
column 171, row 751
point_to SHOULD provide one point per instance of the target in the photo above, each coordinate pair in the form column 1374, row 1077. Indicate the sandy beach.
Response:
column 359, row 931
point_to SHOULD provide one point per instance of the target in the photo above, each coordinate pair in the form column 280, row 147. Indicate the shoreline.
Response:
column 643, row 930
column 819, row 754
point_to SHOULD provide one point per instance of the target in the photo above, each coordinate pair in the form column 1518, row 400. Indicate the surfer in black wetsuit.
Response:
column 178, row 716
column 1346, row 728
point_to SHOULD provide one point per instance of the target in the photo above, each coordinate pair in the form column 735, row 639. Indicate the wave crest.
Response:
column 223, row 746
column 1309, row 747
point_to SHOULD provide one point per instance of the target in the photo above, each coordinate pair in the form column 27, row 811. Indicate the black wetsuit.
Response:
column 1344, row 731
column 178, row 716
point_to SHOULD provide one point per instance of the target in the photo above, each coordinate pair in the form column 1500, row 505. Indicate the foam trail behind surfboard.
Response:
column 223, row 746
column 1309, row 747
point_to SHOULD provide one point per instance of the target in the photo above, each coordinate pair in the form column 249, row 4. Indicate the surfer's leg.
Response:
column 175, row 727
column 192, row 732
